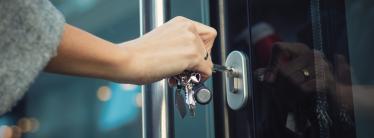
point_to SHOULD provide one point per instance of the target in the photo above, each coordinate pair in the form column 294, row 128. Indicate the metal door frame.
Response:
column 157, row 111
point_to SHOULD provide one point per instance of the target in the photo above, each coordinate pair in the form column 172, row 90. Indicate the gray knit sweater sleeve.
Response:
column 30, row 32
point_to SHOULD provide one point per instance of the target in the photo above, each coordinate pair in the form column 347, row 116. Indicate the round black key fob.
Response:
column 202, row 94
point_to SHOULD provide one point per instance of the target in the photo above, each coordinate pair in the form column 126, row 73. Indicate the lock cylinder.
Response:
column 237, row 80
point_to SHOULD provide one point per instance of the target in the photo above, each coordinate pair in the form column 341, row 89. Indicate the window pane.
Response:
column 303, row 69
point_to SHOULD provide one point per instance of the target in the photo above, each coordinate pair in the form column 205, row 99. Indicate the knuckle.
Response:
column 209, row 71
column 214, row 32
column 190, row 26
column 211, row 65
column 190, row 36
column 180, row 18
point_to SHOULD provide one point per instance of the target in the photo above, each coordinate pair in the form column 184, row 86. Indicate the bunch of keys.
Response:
column 194, row 92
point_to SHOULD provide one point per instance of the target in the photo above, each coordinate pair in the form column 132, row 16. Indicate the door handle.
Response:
column 237, row 80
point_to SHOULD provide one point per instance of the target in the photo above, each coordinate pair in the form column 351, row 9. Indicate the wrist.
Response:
column 122, row 63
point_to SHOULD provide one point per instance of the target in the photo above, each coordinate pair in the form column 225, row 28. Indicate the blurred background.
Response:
column 58, row 106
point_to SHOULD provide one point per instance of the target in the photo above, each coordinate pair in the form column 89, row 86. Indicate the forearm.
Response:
column 168, row 50
column 83, row 54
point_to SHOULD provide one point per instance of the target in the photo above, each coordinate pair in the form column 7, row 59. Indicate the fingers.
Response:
column 305, row 71
column 204, row 44
column 197, row 46
column 206, row 33
column 202, row 65
column 205, row 69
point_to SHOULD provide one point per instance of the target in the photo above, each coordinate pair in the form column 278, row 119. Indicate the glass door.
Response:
column 302, row 92
column 202, row 124
column 161, row 118
column 310, row 68
column 231, row 19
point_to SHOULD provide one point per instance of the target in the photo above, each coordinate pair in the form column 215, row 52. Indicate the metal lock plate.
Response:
column 237, row 80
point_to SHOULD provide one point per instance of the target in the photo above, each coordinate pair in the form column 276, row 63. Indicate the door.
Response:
column 161, row 118
column 309, row 68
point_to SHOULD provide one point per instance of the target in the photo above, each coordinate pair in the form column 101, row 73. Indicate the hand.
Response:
column 178, row 45
column 302, row 66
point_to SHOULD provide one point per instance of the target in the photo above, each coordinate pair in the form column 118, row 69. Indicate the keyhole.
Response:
column 234, row 79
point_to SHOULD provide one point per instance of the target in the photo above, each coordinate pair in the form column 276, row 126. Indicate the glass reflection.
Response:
column 303, row 96
column 303, row 69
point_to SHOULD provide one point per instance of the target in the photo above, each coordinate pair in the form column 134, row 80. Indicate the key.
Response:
column 194, row 79
column 221, row 68
column 186, row 81
column 179, row 101
column 193, row 89
column 190, row 99
column 231, row 72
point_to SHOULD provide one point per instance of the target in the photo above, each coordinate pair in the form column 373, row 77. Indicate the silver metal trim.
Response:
column 237, row 93
column 141, row 28
column 141, row 15
column 223, row 51
column 155, row 96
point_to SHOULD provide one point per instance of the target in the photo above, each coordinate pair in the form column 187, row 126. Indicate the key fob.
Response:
column 202, row 94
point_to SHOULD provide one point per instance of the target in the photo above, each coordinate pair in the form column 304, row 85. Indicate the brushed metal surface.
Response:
column 156, row 122
column 236, row 82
